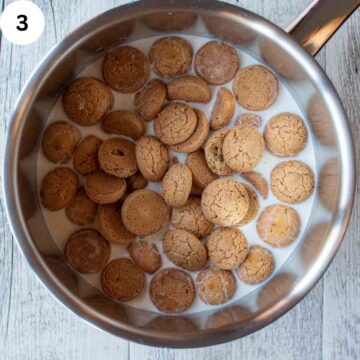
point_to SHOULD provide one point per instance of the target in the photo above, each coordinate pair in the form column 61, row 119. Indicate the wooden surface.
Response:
column 325, row 325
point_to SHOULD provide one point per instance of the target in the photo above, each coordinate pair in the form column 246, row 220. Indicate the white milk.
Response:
column 61, row 228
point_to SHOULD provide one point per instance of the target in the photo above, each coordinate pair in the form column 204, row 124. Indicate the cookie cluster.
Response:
column 106, row 191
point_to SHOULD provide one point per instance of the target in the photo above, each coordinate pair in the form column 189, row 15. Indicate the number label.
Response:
column 23, row 22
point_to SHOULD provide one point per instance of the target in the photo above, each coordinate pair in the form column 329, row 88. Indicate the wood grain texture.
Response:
column 325, row 325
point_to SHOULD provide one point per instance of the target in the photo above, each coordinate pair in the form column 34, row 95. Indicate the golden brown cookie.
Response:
column 59, row 141
column 253, row 206
column 117, row 157
column 190, row 217
column 111, row 226
column 214, row 153
column 249, row 120
column 285, row 135
column 122, row 280
column 227, row 248
column 87, row 100
column 225, row 202
column 125, row 69
column 58, row 188
column 255, row 87
column 257, row 267
column 172, row 290
column 223, row 110
column 201, row 173
column 125, row 123
column 175, row 123
column 171, row 56
column 86, row 155
column 243, row 148
column 215, row 286
column 292, row 181
column 135, row 182
column 184, row 250
column 176, row 185
column 103, row 188
column 278, row 225
column 87, row 251
column 144, row 212
column 152, row 158
column 81, row 210
column 257, row 181
column 197, row 138
column 189, row 88
column 145, row 255
column 150, row 99
column 216, row 62
column 170, row 21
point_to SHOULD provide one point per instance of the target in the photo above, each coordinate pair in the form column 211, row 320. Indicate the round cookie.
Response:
column 150, row 99
column 87, row 100
column 223, row 110
column 249, row 119
column 123, row 122
column 176, row 185
column 258, row 182
column 81, row 210
column 122, row 280
column 197, row 138
column 117, row 157
column 253, row 206
column 152, row 158
column 243, row 148
column 171, row 56
column 184, row 250
column 292, row 181
column 216, row 62
column 135, row 182
column 111, row 226
column 190, row 217
column 103, row 188
column 145, row 255
column 215, row 286
column 58, row 188
column 87, row 251
column 285, row 135
column 175, row 123
column 255, row 87
column 86, row 155
column 257, row 267
column 278, row 225
column 189, row 88
column 144, row 212
column 59, row 142
column 225, row 202
column 201, row 173
column 172, row 290
column 214, row 153
column 125, row 69
column 227, row 248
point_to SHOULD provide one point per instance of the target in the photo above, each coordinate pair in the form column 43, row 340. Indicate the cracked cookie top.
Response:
column 145, row 255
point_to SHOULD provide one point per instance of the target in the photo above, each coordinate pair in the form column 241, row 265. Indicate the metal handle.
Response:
column 319, row 21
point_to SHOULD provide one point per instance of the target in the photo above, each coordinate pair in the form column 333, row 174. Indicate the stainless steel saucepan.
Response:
column 290, row 55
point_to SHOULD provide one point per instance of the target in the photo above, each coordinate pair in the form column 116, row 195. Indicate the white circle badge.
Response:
column 22, row 22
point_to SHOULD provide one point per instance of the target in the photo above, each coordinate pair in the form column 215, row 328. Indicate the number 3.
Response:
column 22, row 22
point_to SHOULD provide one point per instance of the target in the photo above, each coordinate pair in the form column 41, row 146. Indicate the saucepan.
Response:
column 289, row 53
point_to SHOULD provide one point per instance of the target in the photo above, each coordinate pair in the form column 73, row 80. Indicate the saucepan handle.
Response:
column 319, row 21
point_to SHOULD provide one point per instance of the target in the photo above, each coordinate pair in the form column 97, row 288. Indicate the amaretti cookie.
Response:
column 255, row 87
column 216, row 62
column 184, row 250
column 227, row 248
column 145, row 255
column 253, row 206
column 87, row 100
column 59, row 141
column 136, row 182
column 285, row 135
column 172, row 290
column 292, row 181
column 278, row 225
column 171, row 56
column 249, row 119
column 257, row 181
column 223, row 110
column 225, row 202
